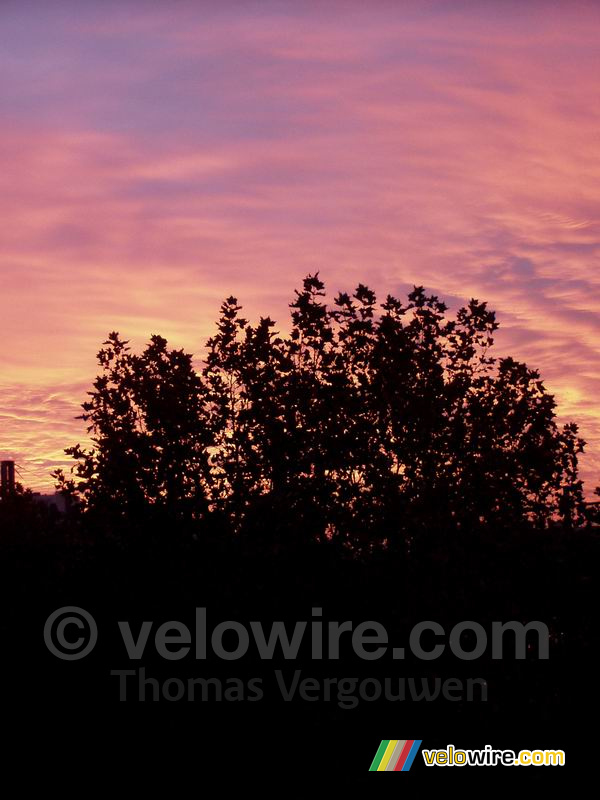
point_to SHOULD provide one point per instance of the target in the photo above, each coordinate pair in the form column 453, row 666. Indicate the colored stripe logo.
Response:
column 395, row 755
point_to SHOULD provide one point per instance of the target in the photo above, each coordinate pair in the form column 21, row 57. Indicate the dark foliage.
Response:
column 367, row 427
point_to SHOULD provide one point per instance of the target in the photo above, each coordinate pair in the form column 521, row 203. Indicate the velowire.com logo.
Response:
column 395, row 755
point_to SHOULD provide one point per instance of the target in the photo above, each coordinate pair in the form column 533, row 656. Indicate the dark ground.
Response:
column 59, row 712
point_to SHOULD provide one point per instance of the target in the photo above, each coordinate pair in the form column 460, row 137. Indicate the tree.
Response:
column 369, row 426
column 148, row 423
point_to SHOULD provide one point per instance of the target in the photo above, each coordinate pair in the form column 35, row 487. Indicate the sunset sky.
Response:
column 157, row 157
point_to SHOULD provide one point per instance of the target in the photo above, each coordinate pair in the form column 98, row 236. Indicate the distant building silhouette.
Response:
column 56, row 501
column 7, row 478
column 8, row 486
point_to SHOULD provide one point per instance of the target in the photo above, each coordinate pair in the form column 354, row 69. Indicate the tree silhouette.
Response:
column 148, row 420
column 370, row 426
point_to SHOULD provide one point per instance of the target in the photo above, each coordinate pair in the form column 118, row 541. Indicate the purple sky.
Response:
column 157, row 157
